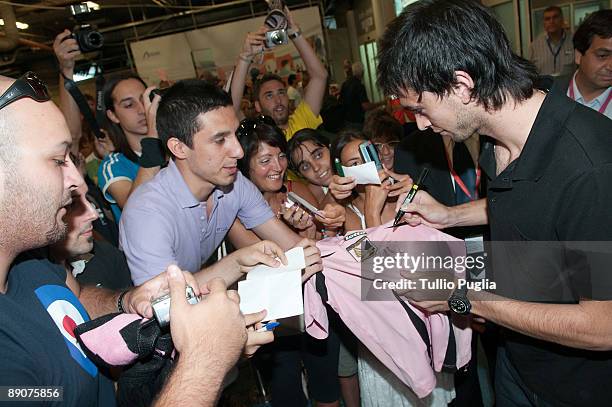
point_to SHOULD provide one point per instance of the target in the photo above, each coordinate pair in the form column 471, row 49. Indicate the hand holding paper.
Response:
column 363, row 174
column 278, row 290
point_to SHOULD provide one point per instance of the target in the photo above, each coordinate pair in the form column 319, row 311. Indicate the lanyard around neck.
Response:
column 459, row 182
column 604, row 105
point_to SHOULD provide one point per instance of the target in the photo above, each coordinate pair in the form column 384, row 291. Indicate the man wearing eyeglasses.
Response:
column 184, row 213
column 40, row 304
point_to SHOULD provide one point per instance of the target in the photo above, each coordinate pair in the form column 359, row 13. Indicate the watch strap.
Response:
column 294, row 34
column 120, row 307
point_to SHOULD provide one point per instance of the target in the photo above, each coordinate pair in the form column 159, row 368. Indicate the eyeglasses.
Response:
column 246, row 126
column 27, row 86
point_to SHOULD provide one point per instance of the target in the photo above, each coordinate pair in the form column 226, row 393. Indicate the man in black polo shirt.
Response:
column 549, row 172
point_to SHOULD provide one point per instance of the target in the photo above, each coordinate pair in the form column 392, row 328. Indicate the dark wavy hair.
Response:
column 116, row 132
column 344, row 137
column 380, row 125
column 424, row 46
column 299, row 138
column 254, row 137
column 597, row 23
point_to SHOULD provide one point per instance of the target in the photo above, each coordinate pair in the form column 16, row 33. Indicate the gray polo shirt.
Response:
column 163, row 223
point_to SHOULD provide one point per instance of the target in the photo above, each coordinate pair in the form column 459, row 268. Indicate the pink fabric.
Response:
column 384, row 326
column 106, row 341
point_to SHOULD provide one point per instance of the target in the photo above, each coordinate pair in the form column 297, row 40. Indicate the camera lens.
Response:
column 94, row 40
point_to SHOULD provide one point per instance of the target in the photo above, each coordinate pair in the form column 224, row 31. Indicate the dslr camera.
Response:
column 161, row 306
column 276, row 21
column 87, row 38
column 86, row 35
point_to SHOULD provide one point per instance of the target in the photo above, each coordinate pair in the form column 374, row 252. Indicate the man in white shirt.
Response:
column 591, row 84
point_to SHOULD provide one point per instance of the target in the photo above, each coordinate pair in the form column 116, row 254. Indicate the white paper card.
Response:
column 363, row 173
column 295, row 261
column 275, row 289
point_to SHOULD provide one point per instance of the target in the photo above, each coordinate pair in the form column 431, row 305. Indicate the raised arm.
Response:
column 316, row 88
column 253, row 44
column 67, row 50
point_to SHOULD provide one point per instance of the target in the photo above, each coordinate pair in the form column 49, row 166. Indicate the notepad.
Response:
column 275, row 289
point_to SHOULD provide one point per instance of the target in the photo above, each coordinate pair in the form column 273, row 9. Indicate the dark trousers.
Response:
column 282, row 362
column 510, row 391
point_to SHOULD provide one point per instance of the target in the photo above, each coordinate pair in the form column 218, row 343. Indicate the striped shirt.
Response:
column 553, row 59
column 115, row 167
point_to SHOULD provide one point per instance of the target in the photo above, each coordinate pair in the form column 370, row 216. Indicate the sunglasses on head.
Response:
column 27, row 86
column 246, row 126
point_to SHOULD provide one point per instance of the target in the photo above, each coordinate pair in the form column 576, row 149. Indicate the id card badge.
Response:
column 474, row 247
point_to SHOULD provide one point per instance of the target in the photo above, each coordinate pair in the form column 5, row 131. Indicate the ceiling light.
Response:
column 21, row 26
column 92, row 5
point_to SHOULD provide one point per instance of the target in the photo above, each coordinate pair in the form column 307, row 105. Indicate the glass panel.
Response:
column 373, row 60
column 363, row 54
column 524, row 26
column 400, row 4
column 582, row 11
column 505, row 15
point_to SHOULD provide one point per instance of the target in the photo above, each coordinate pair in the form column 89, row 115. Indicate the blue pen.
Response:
column 268, row 327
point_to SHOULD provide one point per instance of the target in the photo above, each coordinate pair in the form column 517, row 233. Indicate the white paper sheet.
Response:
column 364, row 173
column 277, row 290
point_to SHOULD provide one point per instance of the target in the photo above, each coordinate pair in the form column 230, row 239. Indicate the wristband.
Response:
column 120, row 302
column 295, row 34
column 152, row 153
column 245, row 59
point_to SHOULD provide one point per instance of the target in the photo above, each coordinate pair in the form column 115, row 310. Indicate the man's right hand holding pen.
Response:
column 425, row 210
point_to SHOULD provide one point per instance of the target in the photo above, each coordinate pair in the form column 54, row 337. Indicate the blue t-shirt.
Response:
column 115, row 167
column 37, row 345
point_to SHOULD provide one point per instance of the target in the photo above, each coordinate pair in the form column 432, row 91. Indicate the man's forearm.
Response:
column 470, row 214
column 587, row 325
column 312, row 63
column 316, row 88
column 227, row 268
column 277, row 231
column 195, row 380
column 239, row 81
column 98, row 301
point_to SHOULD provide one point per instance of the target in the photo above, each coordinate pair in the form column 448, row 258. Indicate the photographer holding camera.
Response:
column 270, row 93
column 66, row 49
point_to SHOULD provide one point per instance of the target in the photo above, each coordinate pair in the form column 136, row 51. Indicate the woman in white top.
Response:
column 374, row 205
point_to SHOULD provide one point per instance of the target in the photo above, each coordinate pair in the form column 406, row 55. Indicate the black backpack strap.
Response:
column 450, row 359
column 418, row 324
column 320, row 286
column 81, row 102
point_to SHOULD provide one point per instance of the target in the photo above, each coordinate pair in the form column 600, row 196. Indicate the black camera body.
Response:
column 88, row 38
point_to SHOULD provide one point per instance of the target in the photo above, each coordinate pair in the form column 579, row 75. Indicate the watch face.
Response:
column 459, row 305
